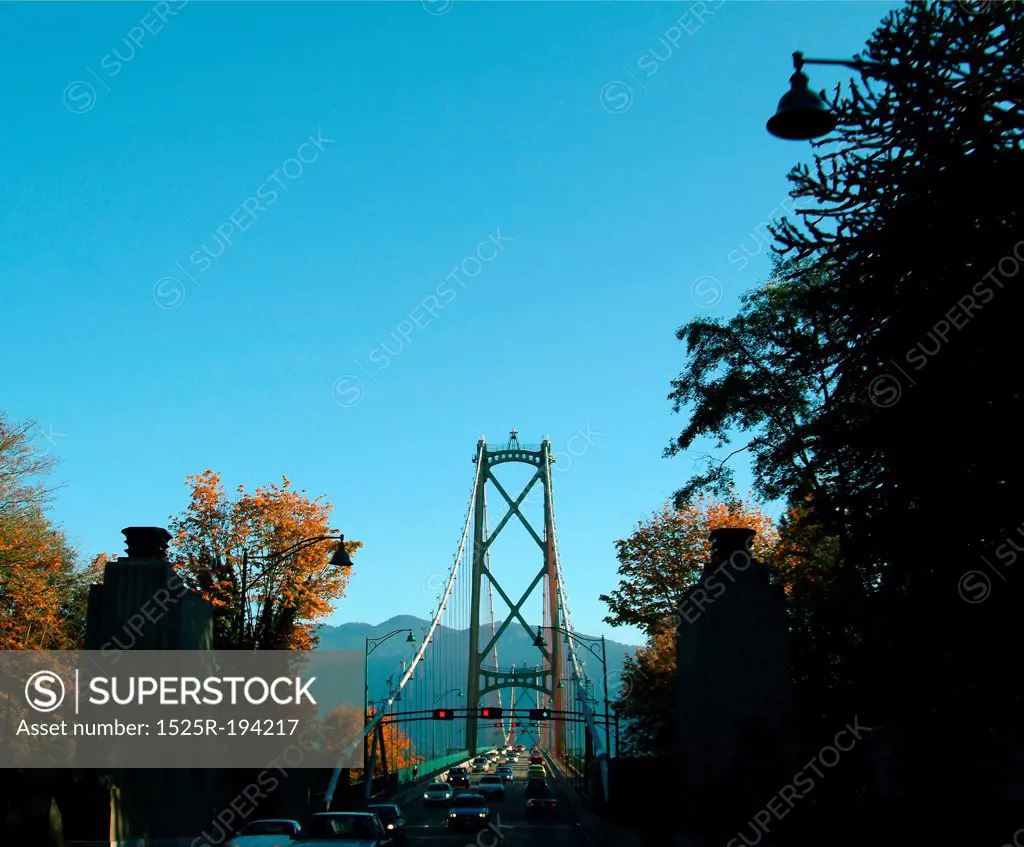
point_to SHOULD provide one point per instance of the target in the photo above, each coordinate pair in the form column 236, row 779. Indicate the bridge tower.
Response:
column 545, row 679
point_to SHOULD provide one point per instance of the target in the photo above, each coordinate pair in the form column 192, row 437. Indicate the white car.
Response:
column 344, row 829
column 266, row 833
column 438, row 792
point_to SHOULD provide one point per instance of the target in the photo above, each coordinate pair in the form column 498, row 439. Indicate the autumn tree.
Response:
column 345, row 724
column 665, row 554
column 42, row 590
column 647, row 701
column 237, row 553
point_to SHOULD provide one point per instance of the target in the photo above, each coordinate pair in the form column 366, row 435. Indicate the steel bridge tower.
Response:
column 545, row 680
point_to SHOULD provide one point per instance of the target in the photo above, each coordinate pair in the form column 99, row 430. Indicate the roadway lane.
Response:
column 427, row 825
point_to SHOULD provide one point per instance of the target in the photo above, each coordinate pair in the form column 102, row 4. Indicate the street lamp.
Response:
column 339, row 559
column 801, row 114
column 591, row 645
column 371, row 645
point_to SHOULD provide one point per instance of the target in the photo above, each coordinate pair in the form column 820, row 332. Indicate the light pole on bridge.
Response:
column 371, row 645
column 597, row 648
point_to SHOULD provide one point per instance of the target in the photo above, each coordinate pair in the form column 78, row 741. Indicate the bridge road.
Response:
column 426, row 826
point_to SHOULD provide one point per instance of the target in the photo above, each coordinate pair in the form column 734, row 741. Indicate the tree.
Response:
column 665, row 554
column 230, row 552
column 872, row 371
column 648, row 700
column 345, row 724
column 41, row 588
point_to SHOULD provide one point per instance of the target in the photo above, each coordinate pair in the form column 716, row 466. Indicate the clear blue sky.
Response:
column 439, row 131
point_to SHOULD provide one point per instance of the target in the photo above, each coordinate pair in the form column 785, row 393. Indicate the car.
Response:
column 512, row 758
column 540, row 801
column 391, row 816
column 536, row 770
column 536, row 759
column 437, row 793
column 266, row 833
column 520, row 748
column 534, row 783
column 344, row 829
column 505, row 772
column 470, row 811
column 458, row 778
column 492, row 787
column 480, row 764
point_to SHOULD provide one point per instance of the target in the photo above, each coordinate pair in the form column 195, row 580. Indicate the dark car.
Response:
column 392, row 818
column 536, row 759
column 469, row 811
column 458, row 778
column 536, row 787
column 339, row 829
column 491, row 787
column 540, row 801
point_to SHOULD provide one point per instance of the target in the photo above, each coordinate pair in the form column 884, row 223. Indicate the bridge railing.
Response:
column 431, row 766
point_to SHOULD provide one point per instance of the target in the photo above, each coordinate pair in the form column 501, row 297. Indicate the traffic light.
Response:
column 515, row 723
column 491, row 712
column 540, row 714
column 498, row 724
column 444, row 715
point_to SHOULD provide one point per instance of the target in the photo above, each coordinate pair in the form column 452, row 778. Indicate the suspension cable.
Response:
column 392, row 695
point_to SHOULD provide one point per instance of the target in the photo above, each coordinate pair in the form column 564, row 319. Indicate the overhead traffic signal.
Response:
column 540, row 714
column 491, row 712
column 443, row 715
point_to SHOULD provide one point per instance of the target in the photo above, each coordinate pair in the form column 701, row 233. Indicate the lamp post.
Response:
column 801, row 114
column 591, row 645
column 371, row 645
column 433, row 724
column 339, row 559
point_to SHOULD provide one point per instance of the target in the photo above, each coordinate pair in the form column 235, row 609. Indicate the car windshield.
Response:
column 388, row 814
column 489, row 780
column 269, row 828
column 472, row 801
column 343, row 827
column 438, row 788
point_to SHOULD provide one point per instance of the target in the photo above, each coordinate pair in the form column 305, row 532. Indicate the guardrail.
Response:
column 432, row 766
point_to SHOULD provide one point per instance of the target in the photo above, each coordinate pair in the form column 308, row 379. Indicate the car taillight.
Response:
column 533, row 803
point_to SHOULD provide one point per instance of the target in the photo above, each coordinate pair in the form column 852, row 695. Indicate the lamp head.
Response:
column 539, row 641
column 801, row 114
column 340, row 557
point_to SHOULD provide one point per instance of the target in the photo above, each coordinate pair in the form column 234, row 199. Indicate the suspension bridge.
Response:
column 459, row 685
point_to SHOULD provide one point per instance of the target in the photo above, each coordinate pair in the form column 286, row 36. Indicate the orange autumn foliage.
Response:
column 42, row 592
column 666, row 553
column 345, row 723
column 265, row 599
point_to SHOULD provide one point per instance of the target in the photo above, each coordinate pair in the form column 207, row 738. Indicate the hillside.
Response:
column 514, row 648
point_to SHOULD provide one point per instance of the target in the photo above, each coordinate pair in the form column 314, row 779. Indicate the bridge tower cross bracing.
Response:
column 482, row 680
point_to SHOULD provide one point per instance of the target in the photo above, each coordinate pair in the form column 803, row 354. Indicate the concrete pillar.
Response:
column 735, row 718
column 142, row 605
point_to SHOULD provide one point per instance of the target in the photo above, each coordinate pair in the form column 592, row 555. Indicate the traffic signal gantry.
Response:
column 492, row 713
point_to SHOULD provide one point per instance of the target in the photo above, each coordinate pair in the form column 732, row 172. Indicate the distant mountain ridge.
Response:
column 514, row 647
